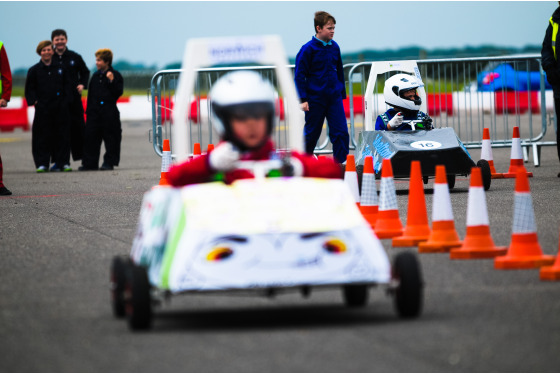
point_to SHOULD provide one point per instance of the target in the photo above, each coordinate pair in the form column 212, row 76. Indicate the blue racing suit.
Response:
column 319, row 78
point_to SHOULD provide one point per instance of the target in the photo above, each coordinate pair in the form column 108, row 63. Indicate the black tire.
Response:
column 486, row 173
column 118, row 280
column 451, row 181
column 355, row 296
column 138, row 299
column 409, row 292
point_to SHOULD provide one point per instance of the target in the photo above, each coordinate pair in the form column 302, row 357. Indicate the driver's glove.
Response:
column 224, row 157
column 395, row 122
column 428, row 122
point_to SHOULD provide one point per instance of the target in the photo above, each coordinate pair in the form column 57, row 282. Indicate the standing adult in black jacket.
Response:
column 103, row 117
column 551, row 65
column 78, row 74
column 48, row 89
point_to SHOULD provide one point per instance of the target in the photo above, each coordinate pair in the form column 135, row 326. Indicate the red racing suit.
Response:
column 198, row 170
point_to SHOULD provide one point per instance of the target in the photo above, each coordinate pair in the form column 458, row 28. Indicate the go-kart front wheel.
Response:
column 118, row 280
column 409, row 290
column 355, row 296
column 486, row 173
column 451, row 181
column 138, row 301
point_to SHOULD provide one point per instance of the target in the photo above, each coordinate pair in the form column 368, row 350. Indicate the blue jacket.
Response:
column 382, row 120
column 319, row 73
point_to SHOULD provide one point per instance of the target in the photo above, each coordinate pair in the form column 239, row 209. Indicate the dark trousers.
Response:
column 333, row 111
column 98, row 131
column 50, row 135
column 557, row 111
column 77, row 128
column 1, row 173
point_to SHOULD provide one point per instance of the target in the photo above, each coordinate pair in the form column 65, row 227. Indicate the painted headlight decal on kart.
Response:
column 335, row 246
column 222, row 249
column 219, row 253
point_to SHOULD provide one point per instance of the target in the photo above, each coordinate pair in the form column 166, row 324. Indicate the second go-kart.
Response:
column 430, row 147
column 440, row 146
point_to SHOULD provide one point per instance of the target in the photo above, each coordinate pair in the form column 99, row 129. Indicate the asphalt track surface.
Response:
column 59, row 232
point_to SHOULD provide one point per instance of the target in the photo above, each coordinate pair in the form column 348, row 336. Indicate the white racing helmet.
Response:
column 241, row 94
column 396, row 85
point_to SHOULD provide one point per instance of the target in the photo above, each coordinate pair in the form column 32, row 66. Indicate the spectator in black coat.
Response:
column 103, row 118
column 78, row 74
column 48, row 89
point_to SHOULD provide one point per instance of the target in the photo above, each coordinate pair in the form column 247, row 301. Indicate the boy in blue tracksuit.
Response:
column 319, row 78
column 400, row 93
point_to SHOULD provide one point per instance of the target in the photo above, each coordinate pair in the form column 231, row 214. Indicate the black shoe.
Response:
column 4, row 191
column 558, row 175
column 86, row 168
column 55, row 167
column 106, row 167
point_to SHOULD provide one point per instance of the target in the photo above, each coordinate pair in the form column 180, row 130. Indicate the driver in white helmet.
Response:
column 242, row 109
column 401, row 93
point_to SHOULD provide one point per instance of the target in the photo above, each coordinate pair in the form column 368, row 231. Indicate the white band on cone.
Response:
column 477, row 212
column 523, row 214
column 351, row 178
column 516, row 149
column 486, row 153
column 387, row 194
column 369, row 191
column 441, row 204
column 165, row 161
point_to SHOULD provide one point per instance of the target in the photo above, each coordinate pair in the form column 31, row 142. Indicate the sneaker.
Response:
column 4, row 191
column 66, row 168
column 55, row 168
column 106, row 167
column 42, row 169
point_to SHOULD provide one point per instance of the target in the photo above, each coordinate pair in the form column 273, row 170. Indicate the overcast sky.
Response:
column 154, row 33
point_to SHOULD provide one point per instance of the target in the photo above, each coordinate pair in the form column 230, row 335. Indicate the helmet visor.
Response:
column 250, row 110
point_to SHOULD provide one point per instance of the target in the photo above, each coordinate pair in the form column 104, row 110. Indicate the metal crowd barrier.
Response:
column 466, row 94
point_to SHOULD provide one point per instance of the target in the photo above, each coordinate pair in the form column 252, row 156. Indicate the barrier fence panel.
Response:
column 465, row 94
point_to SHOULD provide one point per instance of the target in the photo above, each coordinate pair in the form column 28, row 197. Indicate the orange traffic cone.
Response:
column 443, row 236
column 196, row 151
column 417, row 229
column 388, row 224
column 486, row 153
column 351, row 178
column 516, row 156
column 552, row 273
column 165, row 163
column 524, row 252
column 210, row 147
column 477, row 243
column 368, row 199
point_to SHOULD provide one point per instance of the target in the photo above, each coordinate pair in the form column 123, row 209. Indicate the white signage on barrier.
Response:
column 425, row 144
column 241, row 50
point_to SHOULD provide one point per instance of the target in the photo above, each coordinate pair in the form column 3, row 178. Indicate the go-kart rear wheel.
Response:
column 138, row 300
column 451, row 181
column 118, row 280
column 355, row 296
column 409, row 291
column 486, row 173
